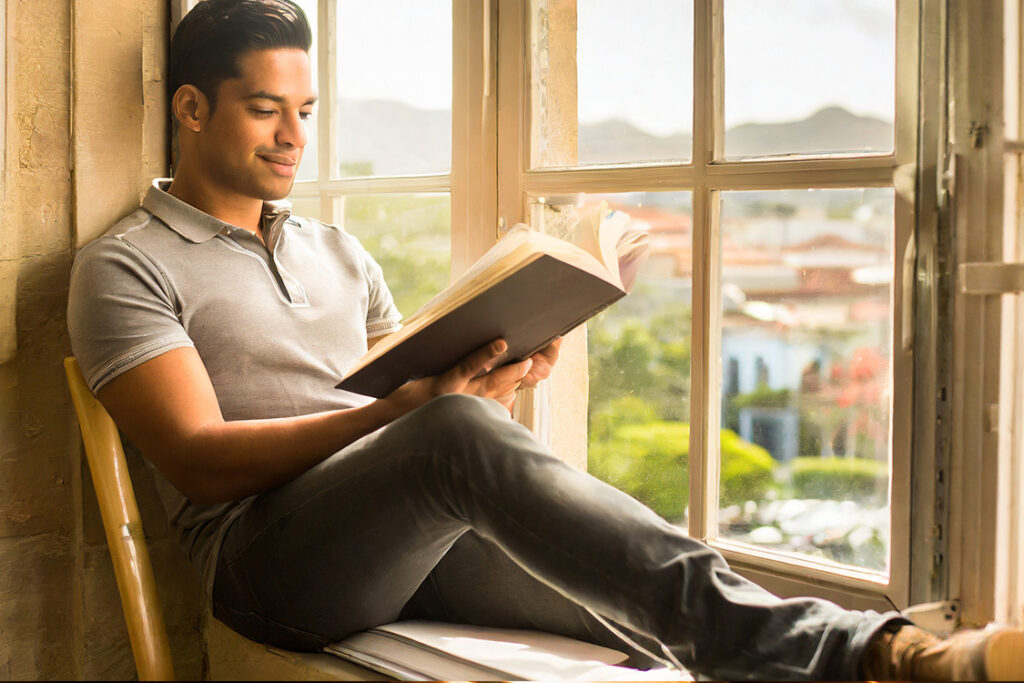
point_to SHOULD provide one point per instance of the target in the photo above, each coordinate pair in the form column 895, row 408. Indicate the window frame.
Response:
column 331, row 191
column 981, row 190
column 706, row 177
column 939, row 424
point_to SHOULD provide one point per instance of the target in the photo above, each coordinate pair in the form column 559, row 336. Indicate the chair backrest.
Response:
column 123, row 527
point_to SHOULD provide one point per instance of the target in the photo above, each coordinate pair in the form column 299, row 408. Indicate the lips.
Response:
column 281, row 164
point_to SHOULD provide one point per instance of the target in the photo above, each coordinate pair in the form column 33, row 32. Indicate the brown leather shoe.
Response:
column 912, row 654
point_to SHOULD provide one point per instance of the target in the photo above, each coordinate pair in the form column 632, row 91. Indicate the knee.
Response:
column 460, row 413
column 455, row 423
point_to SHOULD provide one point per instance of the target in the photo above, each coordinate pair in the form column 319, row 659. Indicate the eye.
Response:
column 305, row 115
column 261, row 113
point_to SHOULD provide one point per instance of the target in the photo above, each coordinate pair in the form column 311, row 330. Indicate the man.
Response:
column 214, row 326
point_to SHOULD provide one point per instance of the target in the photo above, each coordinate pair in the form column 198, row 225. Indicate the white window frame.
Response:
column 956, row 544
column 471, row 125
column 783, row 574
column 984, row 208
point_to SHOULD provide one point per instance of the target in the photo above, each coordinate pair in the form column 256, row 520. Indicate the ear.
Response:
column 190, row 107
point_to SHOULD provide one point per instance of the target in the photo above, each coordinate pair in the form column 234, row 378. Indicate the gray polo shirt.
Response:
column 276, row 326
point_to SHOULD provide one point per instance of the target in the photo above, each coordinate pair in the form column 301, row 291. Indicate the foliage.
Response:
column 763, row 397
column 810, row 435
column 746, row 470
column 649, row 357
column 650, row 461
column 858, row 479
column 618, row 412
column 408, row 236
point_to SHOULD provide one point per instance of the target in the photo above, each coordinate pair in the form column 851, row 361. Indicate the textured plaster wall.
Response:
column 84, row 133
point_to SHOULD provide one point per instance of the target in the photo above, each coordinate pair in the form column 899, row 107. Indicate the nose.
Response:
column 292, row 131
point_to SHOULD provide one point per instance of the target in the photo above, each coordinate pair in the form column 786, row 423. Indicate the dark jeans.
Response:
column 456, row 513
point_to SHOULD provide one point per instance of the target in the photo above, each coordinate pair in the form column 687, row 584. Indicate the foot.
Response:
column 910, row 653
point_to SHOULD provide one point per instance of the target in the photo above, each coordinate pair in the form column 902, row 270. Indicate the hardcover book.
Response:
column 528, row 289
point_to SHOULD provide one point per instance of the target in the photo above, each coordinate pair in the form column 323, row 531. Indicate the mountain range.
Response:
column 390, row 138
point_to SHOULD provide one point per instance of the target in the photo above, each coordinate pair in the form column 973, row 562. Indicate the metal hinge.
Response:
column 978, row 133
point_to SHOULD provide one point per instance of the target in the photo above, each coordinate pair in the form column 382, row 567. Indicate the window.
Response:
column 767, row 385
column 749, row 389
column 378, row 162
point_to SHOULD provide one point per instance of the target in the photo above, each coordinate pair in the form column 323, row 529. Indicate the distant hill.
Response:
column 832, row 129
column 385, row 137
column 619, row 141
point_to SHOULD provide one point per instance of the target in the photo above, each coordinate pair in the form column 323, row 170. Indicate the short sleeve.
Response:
column 121, row 310
column 382, row 316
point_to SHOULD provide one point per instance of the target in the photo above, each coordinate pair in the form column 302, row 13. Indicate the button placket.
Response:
column 276, row 235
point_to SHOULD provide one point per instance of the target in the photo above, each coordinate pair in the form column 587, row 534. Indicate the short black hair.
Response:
column 215, row 34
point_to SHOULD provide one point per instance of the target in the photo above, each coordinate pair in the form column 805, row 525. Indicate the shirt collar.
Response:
column 195, row 225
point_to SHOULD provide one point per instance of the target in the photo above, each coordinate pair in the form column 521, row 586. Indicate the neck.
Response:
column 242, row 212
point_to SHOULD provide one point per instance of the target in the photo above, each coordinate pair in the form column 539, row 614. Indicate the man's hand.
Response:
column 543, row 363
column 474, row 375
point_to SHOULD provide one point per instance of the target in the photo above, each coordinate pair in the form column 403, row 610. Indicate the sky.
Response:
column 784, row 59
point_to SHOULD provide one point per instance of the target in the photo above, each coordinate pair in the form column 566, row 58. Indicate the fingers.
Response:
column 502, row 381
column 476, row 363
column 543, row 363
column 550, row 352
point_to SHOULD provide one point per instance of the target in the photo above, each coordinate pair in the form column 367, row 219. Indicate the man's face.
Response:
column 252, row 144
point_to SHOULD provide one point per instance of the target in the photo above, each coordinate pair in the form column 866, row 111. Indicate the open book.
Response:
column 528, row 289
column 433, row 651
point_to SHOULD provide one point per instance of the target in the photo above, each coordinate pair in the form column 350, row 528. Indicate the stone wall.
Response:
column 85, row 130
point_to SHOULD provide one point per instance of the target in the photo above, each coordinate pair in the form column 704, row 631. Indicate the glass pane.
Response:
column 806, row 378
column 393, row 112
column 309, row 207
column 639, row 354
column 809, row 77
column 410, row 236
column 618, row 89
column 308, row 166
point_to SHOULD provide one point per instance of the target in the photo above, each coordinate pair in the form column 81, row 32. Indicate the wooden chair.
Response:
column 123, row 527
column 237, row 658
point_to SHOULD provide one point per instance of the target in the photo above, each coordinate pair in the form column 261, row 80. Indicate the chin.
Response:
column 269, row 194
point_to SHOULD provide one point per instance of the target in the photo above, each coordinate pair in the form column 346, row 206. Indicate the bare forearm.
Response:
column 169, row 408
column 224, row 461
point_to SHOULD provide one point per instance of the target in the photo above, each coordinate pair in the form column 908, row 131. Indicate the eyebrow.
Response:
column 280, row 99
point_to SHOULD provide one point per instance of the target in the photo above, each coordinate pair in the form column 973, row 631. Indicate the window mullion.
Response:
column 474, row 133
column 707, row 133
column 512, row 117
column 327, row 84
column 704, row 363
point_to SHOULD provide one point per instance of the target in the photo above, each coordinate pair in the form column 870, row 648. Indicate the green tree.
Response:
column 650, row 461
column 409, row 236
column 646, row 358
